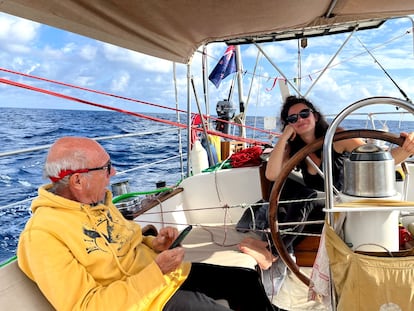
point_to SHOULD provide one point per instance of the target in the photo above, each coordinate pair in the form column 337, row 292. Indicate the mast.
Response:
column 241, row 118
column 205, row 80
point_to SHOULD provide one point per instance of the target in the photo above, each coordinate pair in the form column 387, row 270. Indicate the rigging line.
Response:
column 341, row 62
column 146, row 165
column 259, row 84
column 362, row 53
column 16, row 203
column 251, row 83
column 36, row 89
column 213, row 240
column 127, row 99
column 385, row 71
column 203, row 123
column 231, row 90
column 140, row 115
column 203, row 52
column 330, row 62
column 205, row 80
column 43, row 147
column 276, row 67
column 93, row 91
column 177, row 115
column 85, row 89
column 208, row 208
column 299, row 81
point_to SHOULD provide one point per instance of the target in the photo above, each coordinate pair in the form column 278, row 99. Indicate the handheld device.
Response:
column 181, row 237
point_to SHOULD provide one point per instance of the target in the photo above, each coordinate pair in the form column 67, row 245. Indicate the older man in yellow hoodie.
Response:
column 84, row 255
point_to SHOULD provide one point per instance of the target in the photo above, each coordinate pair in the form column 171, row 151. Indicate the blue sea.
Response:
column 21, row 174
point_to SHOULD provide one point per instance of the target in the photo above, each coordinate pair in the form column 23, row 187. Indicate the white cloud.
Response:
column 16, row 33
column 84, row 81
column 69, row 47
column 52, row 54
column 88, row 52
column 120, row 83
column 16, row 48
column 278, row 52
column 33, row 68
column 136, row 60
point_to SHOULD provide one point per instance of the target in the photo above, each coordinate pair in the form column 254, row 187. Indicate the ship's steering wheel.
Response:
column 289, row 166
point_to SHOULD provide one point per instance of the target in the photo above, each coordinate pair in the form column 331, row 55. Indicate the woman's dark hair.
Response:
column 321, row 124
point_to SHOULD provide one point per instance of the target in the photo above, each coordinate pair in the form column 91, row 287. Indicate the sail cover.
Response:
column 174, row 29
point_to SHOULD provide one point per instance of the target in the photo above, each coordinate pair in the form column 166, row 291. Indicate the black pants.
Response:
column 299, row 211
column 241, row 287
column 287, row 212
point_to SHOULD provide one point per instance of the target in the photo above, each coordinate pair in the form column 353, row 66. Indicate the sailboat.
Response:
column 213, row 200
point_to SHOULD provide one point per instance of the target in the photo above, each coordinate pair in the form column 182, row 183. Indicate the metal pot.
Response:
column 369, row 172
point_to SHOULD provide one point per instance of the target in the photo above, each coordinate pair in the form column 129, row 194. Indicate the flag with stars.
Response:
column 224, row 67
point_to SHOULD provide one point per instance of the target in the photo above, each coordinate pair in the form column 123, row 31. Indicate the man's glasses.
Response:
column 293, row 118
column 62, row 174
column 107, row 166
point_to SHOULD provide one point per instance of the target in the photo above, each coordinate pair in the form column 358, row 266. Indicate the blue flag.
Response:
column 224, row 67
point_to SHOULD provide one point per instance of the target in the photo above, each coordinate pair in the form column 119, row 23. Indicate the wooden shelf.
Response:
column 147, row 204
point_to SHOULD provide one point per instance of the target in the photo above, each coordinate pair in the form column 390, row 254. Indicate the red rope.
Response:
column 36, row 89
column 84, row 89
column 128, row 99
column 180, row 125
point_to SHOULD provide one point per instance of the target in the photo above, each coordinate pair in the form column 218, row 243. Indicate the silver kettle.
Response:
column 369, row 172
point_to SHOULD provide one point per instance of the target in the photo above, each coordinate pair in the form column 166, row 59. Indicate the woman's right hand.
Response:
column 280, row 153
column 170, row 259
column 289, row 132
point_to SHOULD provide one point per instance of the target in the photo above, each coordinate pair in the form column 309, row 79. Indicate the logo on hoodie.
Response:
column 108, row 231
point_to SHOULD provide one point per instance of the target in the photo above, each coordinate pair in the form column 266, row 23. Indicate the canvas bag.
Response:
column 369, row 283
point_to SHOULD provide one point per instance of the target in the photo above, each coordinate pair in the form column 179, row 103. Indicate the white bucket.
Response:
column 372, row 231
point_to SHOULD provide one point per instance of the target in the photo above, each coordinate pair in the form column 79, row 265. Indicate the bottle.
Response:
column 198, row 158
column 207, row 144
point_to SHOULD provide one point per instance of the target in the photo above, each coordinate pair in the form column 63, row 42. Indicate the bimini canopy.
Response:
column 174, row 29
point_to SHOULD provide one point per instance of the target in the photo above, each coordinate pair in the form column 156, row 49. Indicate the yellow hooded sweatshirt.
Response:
column 86, row 257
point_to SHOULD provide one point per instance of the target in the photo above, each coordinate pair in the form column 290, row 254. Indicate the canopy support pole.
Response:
column 330, row 61
column 188, row 116
column 277, row 68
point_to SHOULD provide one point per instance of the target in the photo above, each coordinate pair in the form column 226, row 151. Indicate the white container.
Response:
column 198, row 158
column 372, row 230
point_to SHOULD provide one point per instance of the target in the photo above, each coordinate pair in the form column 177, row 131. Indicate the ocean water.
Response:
column 21, row 174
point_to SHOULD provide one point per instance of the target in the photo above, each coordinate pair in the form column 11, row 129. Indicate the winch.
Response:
column 127, row 206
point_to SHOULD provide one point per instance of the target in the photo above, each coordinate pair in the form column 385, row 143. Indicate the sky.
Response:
column 34, row 49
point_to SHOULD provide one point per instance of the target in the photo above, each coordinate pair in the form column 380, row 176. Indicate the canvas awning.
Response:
column 174, row 29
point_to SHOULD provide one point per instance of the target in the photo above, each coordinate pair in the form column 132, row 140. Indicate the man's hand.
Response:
column 164, row 239
column 169, row 260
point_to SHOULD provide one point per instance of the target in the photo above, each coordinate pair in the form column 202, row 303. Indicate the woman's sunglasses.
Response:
column 293, row 118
